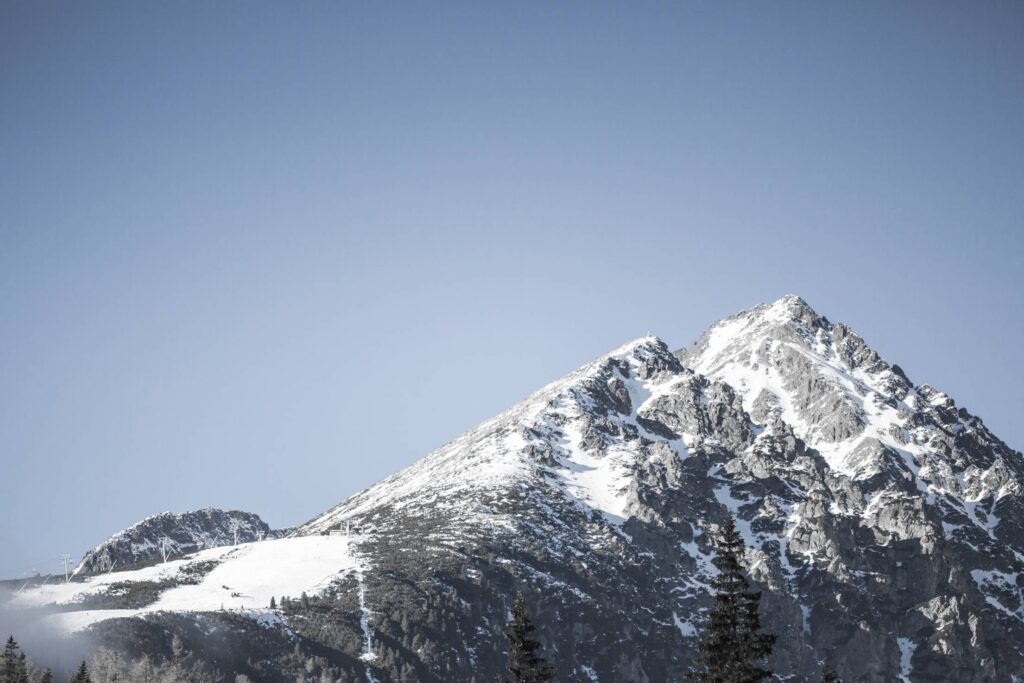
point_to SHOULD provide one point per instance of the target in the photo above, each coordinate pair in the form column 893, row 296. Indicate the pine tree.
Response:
column 47, row 676
column 273, row 603
column 13, row 663
column 524, row 661
column 9, row 661
column 829, row 676
column 732, row 646
column 82, row 675
column 21, row 669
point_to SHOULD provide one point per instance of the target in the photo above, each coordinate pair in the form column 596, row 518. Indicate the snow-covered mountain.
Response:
column 883, row 524
column 171, row 534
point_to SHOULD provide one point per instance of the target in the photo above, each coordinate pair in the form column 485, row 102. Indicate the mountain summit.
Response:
column 884, row 525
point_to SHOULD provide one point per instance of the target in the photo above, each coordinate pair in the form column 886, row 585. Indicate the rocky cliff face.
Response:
column 909, row 538
column 173, row 535
column 883, row 524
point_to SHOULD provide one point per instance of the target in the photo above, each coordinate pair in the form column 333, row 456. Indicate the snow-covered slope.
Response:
column 242, row 578
column 553, row 426
column 884, row 525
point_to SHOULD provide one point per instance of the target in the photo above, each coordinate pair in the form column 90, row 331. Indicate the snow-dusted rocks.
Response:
column 171, row 535
column 884, row 524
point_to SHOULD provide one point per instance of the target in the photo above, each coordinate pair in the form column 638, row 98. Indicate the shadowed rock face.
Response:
column 179, row 534
column 883, row 523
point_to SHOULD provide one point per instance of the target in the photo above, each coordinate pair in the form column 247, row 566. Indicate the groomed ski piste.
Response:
column 244, row 580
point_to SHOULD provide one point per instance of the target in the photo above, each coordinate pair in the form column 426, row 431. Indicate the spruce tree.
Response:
column 733, row 645
column 47, row 676
column 525, row 664
column 9, row 660
column 21, row 669
column 13, row 663
column 829, row 676
column 82, row 675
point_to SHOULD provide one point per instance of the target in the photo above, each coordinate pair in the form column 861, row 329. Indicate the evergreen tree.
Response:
column 829, row 676
column 732, row 646
column 47, row 676
column 524, row 661
column 273, row 603
column 10, row 658
column 82, row 675
column 177, row 648
column 13, row 663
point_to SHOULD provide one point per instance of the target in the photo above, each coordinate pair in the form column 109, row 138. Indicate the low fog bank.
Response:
column 45, row 645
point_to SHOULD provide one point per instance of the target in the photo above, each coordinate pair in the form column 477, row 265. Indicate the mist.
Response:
column 42, row 642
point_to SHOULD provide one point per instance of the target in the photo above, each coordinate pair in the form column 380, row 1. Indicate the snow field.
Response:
column 245, row 579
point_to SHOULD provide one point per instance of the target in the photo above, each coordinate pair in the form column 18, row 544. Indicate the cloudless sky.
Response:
column 260, row 255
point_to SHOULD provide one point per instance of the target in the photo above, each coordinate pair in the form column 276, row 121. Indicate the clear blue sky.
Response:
column 260, row 255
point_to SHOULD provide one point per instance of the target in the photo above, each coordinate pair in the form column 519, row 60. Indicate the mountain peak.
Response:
column 862, row 414
column 790, row 301
column 790, row 306
column 822, row 377
column 648, row 341
column 790, row 309
column 866, row 505
column 789, row 319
